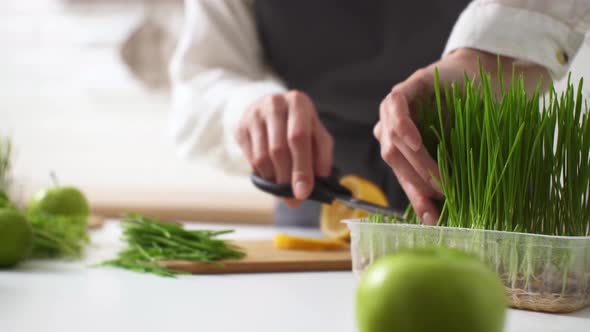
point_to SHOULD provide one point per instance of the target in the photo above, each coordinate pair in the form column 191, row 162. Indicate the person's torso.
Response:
column 347, row 55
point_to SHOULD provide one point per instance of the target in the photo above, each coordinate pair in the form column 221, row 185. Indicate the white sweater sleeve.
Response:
column 217, row 71
column 545, row 32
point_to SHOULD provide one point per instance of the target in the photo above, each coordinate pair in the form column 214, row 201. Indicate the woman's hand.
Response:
column 401, row 142
column 284, row 141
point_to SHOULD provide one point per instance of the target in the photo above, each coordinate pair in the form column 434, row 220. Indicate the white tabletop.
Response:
column 74, row 296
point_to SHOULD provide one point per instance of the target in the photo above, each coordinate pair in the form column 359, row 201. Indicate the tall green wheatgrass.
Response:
column 510, row 161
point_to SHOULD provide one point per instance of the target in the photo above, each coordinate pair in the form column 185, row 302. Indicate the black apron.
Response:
column 347, row 55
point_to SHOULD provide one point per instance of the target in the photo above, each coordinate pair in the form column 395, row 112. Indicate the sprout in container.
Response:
column 515, row 173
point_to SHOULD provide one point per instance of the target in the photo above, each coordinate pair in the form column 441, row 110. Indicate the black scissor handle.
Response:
column 325, row 188
column 281, row 190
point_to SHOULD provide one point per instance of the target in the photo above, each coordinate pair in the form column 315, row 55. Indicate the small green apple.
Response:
column 67, row 201
column 430, row 289
column 16, row 237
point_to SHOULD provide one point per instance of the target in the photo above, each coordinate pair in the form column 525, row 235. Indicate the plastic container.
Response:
column 540, row 272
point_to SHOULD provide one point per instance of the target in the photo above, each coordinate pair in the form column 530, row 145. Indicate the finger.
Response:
column 394, row 124
column 276, row 125
column 377, row 130
column 261, row 157
column 423, row 164
column 419, row 85
column 323, row 146
column 245, row 142
column 395, row 111
column 404, row 171
column 292, row 203
column 299, row 140
column 422, row 204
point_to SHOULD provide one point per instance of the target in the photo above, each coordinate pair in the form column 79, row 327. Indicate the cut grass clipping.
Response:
column 58, row 236
column 516, row 163
column 5, row 164
column 150, row 241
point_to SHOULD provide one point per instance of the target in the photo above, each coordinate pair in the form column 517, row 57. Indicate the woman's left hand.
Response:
column 401, row 142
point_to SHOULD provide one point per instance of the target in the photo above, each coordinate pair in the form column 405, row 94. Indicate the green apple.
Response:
column 67, row 201
column 430, row 289
column 16, row 237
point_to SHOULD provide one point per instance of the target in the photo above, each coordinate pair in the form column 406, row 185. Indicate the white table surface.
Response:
column 74, row 296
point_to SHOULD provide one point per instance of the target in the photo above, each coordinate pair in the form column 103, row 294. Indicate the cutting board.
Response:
column 95, row 221
column 261, row 256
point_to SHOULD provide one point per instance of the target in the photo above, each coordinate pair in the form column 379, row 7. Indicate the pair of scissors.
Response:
column 326, row 190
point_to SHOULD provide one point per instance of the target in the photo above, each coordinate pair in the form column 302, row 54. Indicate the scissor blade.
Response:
column 370, row 207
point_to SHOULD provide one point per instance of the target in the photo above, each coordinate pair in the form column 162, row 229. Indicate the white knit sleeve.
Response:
column 217, row 72
column 545, row 32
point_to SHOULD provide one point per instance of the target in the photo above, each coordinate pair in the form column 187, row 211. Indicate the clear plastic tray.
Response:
column 540, row 272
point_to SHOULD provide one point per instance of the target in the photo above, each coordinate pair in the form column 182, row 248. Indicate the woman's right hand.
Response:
column 284, row 141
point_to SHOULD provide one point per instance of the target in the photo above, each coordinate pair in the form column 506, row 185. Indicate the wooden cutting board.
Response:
column 261, row 256
column 95, row 221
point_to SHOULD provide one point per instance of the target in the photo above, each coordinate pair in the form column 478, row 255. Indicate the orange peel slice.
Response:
column 332, row 215
column 286, row 241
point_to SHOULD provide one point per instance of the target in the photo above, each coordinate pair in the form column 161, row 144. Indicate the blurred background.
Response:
column 84, row 93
